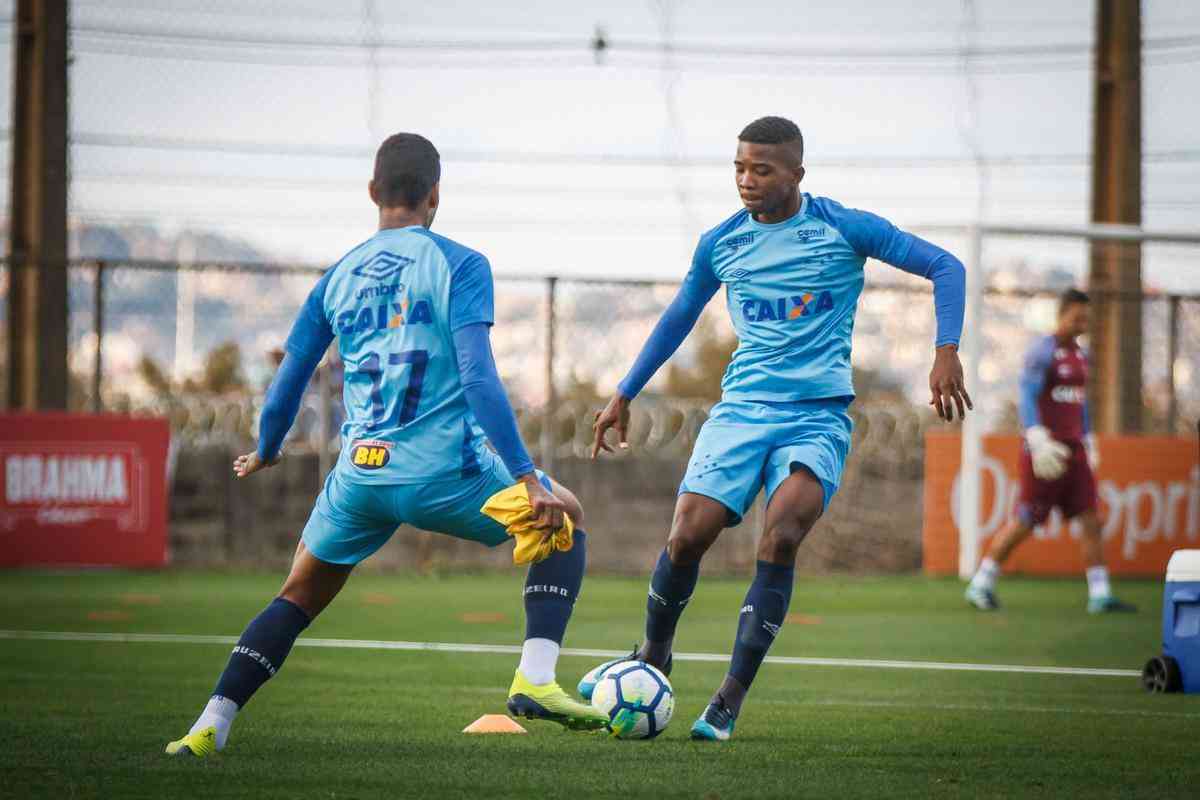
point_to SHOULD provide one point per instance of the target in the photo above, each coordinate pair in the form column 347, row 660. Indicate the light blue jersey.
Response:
column 393, row 304
column 792, row 292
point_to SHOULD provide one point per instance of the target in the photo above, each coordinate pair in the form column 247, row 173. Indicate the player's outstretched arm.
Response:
column 673, row 327
column 306, row 346
column 488, row 402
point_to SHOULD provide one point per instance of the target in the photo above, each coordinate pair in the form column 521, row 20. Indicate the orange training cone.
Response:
column 494, row 723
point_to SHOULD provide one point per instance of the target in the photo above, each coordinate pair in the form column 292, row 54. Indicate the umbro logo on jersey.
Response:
column 808, row 234
column 787, row 308
column 382, row 266
column 740, row 274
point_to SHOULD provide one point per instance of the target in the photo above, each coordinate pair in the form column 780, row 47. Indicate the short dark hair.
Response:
column 773, row 130
column 407, row 166
column 1070, row 297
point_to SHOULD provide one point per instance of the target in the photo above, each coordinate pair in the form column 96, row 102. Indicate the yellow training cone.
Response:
column 494, row 723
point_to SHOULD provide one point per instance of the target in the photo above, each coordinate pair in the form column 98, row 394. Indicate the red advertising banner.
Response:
column 1149, row 506
column 83, row 489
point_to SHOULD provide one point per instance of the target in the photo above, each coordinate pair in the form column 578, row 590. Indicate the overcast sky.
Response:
column 259, row 119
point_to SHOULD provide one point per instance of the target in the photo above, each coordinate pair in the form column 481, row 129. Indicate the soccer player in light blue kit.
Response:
column 792, row 268
column 411, row 312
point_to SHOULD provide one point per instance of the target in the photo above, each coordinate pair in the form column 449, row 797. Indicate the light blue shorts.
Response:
column 748, row 445
column 350, row 521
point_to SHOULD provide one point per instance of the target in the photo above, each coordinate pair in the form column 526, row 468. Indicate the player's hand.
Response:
column 548, row 510
column 614, row 415
column 1048, row 456
column 244, row 466
column 946, row 385
column 1092, row 448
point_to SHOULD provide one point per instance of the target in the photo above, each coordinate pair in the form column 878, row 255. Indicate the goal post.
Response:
column 977, row 237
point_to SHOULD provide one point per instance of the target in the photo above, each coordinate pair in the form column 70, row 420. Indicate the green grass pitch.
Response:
column 90, row 719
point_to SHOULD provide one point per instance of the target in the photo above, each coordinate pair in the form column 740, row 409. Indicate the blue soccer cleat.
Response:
column 1109, row 605
column 715, row 724
column 981, row 599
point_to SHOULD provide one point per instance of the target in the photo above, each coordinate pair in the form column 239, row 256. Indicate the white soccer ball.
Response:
column 636, row 697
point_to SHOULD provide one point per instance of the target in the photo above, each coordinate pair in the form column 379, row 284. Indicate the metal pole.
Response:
column 1172, row 357
column 547, row 437
column 970, row 494
column 37, row 229
column 98, row 317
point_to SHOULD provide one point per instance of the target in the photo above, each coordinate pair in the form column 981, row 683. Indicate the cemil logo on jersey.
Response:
column 787, row 308
column 806, row 235
column 739, row 241
column 382, row 266
column 370, row 454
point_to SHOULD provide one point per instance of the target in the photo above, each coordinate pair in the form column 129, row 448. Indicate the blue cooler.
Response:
column 1179, row 666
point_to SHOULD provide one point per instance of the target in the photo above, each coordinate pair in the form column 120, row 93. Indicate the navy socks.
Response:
column 671, row 586
column 762, row 616
column 261, row 650
column 551, row 587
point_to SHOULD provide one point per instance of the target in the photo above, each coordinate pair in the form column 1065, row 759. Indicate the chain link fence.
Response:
column 199, row 342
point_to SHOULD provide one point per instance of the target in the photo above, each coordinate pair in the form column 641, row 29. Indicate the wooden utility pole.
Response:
column 1116, row 267
column 37, row 310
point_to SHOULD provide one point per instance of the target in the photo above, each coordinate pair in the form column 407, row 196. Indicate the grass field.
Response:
column 90, row 718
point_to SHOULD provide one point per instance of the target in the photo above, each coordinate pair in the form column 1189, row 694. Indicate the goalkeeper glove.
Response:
column 1049, row 457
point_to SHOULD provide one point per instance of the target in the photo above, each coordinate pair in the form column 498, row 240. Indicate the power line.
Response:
column 583, row 43
column 285, row 149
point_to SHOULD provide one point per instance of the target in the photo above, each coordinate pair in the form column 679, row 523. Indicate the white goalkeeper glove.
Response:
column 1049, row 457
column 1093, row 451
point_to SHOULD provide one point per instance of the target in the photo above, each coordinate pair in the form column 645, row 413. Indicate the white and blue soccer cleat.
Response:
column 981, row 599
column 587, row 684
column 715, row 724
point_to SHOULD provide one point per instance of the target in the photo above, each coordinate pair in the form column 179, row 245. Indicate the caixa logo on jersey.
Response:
column 370, row 454
column 384, row 315
column 791, row 307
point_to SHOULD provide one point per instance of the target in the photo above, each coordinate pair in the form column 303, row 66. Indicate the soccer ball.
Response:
column 637, row 699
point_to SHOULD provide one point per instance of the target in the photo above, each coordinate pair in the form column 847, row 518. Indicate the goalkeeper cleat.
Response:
column 201, row 744
column 982, row 599
column 550, row 702
column 587, row 684
column 715, row 724
column 1109, row 605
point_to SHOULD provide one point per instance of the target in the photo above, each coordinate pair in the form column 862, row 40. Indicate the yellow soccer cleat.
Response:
column 550, row 702
column 201, row 744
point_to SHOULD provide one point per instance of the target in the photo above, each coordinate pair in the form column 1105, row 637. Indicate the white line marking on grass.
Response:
column 1132, row 712
column 508, row 649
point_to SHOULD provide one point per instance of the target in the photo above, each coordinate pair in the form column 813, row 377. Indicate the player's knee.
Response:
column 781, row 541
column 689, row 540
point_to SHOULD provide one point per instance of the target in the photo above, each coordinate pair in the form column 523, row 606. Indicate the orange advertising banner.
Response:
column 1149, row 506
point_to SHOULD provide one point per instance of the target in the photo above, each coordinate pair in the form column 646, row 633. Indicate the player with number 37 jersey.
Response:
column 394, row 303
column 411, row 312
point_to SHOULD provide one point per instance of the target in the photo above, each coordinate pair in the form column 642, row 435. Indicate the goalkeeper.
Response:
column 1058, row 458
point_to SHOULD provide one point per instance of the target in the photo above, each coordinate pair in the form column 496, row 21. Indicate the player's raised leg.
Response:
column 551, row 588
column 262, row 648
column 793, row 509
column 697, row 523
column 981, row 591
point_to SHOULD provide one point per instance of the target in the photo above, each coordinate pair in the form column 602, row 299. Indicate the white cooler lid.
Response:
column 1184, row 566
